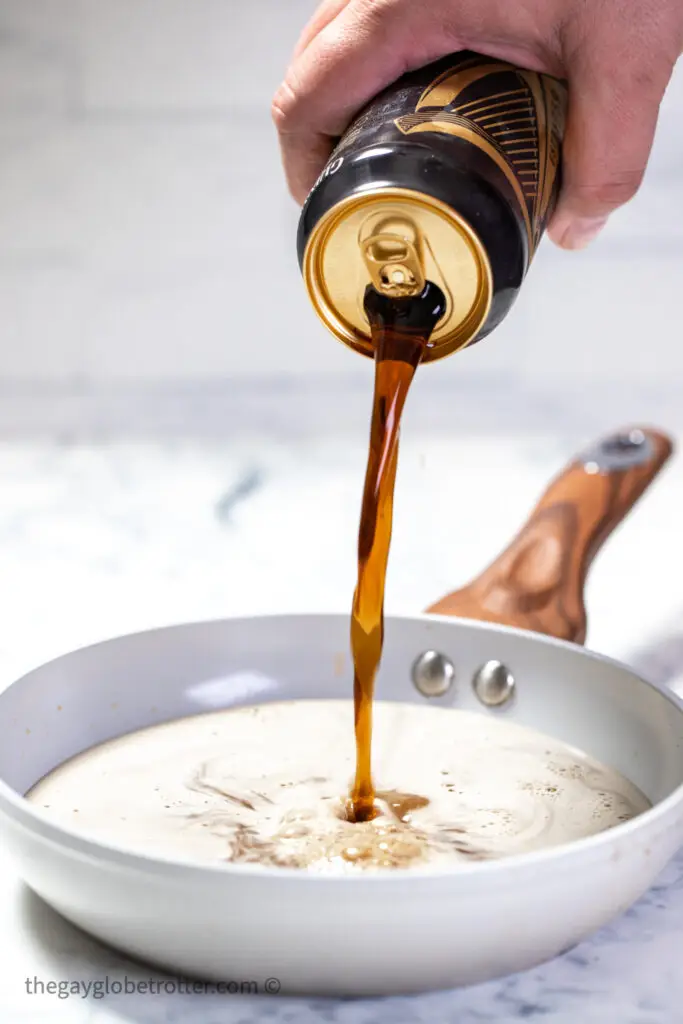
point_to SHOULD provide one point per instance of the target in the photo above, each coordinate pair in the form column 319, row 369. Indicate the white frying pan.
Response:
column 400, row 931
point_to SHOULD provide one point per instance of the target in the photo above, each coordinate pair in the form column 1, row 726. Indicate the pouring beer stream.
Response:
column 413, row 244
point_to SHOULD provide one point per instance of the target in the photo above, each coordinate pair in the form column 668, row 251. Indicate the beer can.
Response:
column 449, row 176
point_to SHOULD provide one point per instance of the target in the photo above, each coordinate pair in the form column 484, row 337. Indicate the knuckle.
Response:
column 284, row 107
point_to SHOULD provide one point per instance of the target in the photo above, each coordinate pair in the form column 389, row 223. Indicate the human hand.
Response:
column 617, row 56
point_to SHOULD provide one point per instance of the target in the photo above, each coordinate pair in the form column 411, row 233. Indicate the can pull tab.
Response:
column 393, row 261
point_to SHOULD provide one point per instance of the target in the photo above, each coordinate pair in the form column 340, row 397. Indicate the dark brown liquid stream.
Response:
column 400, row 334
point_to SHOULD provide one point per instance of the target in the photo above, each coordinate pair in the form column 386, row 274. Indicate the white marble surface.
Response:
column 102, row 538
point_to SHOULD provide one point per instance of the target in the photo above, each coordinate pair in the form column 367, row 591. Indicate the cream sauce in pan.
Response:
column 267, row 785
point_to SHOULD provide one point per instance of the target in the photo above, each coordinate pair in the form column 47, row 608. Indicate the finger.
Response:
column 359, row 53
column 610, row 129
column 325, row 13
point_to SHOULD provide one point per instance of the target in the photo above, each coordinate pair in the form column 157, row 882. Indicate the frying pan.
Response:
column 399, row 931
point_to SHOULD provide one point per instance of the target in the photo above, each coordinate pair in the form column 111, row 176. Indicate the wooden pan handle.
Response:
column 537, row 583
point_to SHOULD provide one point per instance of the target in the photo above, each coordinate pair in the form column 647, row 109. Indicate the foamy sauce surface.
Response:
column 267, row 785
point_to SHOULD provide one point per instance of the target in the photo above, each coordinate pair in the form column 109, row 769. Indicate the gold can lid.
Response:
column 337, row 271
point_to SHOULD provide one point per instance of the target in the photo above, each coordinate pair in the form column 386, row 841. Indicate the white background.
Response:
column 142, row 204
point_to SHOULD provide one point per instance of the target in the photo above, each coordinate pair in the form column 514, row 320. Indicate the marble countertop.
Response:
column 101, row 539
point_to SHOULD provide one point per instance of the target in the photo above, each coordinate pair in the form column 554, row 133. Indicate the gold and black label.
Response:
column 515, row 117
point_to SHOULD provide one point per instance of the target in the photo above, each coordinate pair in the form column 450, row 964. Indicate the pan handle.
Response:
column 537, row 583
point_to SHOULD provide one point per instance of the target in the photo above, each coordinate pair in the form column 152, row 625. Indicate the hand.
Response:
column 617, row 56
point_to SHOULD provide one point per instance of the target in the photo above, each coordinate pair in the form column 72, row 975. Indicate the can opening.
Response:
column 412, row 314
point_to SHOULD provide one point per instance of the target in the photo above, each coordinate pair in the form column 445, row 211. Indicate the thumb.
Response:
column 610, row 129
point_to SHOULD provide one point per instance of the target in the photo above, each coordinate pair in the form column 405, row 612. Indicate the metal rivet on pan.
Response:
column 493, row 684
column 433, row 674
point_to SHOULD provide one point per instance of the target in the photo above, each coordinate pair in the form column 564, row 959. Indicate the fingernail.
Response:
column 581, row 231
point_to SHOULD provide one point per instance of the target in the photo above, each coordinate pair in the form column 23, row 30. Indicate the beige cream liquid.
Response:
column 247, row 786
